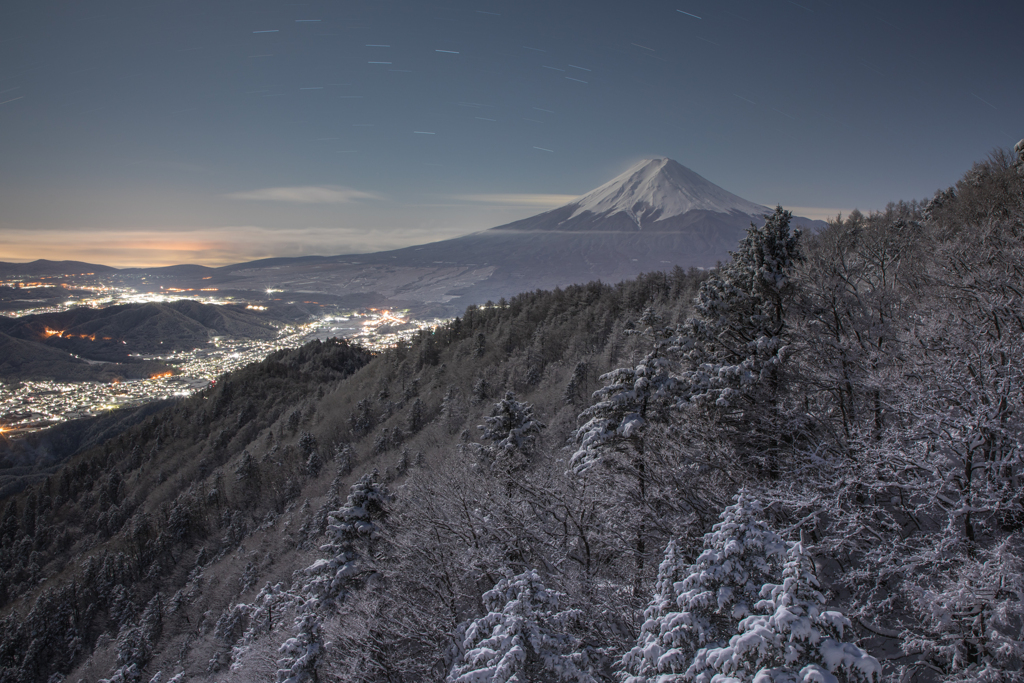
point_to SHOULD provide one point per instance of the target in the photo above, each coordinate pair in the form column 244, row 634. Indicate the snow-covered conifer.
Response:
column 970, row 620
column 523, row 637
column 261, row 617
column 700, row 605
column 617, row 427
column 351, row 532
column 512, row 430
column 135, row 643
column 641, row 661
column 301, row 653
column 793, row 639
column 738, row 340
column 625, row 404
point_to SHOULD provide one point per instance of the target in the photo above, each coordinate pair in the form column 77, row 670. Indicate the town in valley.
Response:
column 31, row 405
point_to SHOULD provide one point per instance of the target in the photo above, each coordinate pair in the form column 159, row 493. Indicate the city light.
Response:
column 30, row 406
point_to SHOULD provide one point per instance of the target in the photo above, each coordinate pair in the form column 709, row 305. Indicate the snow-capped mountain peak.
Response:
column 656, row 189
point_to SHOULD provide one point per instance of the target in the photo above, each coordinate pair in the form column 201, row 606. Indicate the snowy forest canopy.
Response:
column 804, row 465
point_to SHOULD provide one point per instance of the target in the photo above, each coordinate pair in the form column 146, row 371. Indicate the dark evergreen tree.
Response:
column 575, row 389
column 738, row 343
column 307, row 444
column 512, row 430
column 352, row 533
column 416, row 418
column 247, row 475
column 362, row 420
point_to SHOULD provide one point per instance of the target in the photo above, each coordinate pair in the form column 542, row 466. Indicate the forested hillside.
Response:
column 802, row 466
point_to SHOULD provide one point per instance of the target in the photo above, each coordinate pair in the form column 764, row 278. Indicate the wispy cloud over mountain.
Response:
column 817, row 213
column 549, row 200
column 310, row 194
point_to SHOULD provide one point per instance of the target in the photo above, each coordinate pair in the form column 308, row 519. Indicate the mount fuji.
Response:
column 655, row 195
column 655, row 216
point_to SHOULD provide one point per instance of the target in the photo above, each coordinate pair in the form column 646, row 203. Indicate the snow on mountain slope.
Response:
column 656, row 189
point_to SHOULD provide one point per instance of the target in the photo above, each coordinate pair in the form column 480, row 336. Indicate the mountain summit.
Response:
column 657, row 189
column 654, row 195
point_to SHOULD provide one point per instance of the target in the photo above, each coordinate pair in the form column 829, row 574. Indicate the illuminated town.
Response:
column 86, row 290
column 29, row 406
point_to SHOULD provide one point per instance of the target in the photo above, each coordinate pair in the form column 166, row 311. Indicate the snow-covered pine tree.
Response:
column 320, row 587
column 135, row 643
column 261, row 616
column 630, row 398
column 301, row 653
column 641, row 661
column 351, row 533
column 738, row 342
column 793, row 640
column 617, row 427
column 512, row 430
column 700, row 605
column 523, row 637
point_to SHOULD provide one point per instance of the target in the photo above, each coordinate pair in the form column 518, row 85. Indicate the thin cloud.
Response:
column 312, row 194
column 548, row 200
column 816, row 213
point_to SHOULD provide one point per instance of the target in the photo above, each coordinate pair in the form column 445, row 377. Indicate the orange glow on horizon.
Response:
column 134, row 248
column 215, row 246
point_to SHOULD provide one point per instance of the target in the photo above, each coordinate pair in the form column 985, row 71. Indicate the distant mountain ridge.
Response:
column 41, row 267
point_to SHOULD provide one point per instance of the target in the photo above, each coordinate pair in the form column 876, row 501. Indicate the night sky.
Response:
column 154, row 132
